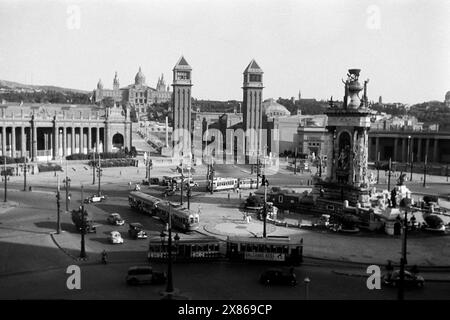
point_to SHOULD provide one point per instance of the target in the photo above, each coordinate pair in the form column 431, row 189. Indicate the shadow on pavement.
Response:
column 52, row 225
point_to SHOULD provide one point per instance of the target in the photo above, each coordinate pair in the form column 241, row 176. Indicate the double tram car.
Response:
column 270, row 249
column 182, row 218
column 249, row 183
column 204, row 248
column 220, row 184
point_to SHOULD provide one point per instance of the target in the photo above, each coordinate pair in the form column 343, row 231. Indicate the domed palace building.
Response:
column 137, row 96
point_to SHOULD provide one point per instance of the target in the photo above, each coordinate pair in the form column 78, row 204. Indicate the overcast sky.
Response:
column 401, row 46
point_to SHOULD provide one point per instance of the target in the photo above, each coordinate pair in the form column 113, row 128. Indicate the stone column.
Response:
column 55, row 141
column 377, row 148
column 89, row 142
column 435, row 150
column 13, row 142
column 427, row 148
column 81, row 140
column 419, row 149
column 411, row 155
column 3, row 141
column 107, row 137
column 34, row 135
column 395, row 149
column 23, row 141
column 404, row 142
column 64, row 141
column 97, row 139
column 72, row 149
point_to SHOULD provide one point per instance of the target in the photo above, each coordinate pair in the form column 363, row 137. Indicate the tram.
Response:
column 182, row 218
column 220, row 184
column 197, row 249
column 249, row 183
column 269, row 249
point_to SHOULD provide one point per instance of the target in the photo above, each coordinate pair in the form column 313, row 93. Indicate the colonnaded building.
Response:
column 45, row 132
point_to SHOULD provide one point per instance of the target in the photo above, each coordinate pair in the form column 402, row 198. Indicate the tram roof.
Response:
column 271, row 240
column 189, row 239
column 161, row 202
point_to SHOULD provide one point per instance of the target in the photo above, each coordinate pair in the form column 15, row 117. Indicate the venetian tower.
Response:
column 252, row 109
column 347, row 175
column 181, row 100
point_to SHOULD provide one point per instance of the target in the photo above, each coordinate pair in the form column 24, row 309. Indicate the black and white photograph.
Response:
column 252, row 152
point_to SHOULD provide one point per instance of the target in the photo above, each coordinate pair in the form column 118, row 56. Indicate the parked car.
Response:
column 95, row 198
column 115, row 237
column 115, row 219
column 145, row 275
column 278, row 276
column 411, row 279
column 136, row 231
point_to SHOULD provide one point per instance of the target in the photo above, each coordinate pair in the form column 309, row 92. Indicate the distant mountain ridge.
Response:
column 17, row 86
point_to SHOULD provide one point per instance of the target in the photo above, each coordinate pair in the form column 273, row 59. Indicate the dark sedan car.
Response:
column 411, row 279
column 278, row 276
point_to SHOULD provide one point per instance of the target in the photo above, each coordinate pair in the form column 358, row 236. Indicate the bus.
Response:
column 270, row 249
column 204, row 248
column 220, row 184
column 182, row 218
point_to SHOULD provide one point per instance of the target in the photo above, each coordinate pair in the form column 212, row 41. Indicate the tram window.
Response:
column 280, row 199
column 278, row 249
column 191, row 219
column 285, row 249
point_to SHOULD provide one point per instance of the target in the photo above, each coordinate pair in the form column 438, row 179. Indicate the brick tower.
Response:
column 252, row 109
column 181, row 102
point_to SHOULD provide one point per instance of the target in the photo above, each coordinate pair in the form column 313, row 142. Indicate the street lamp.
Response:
column 25, row 169
column 93, row 166
column 58, row 206
column 307, row 281
column 67, row 183
column 5, row 178
column 405, row 203
column 169, row 289
column 99, row 174
column 83, row 254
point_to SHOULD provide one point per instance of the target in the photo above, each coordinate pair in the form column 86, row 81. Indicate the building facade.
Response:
column 138, row 96
column 44, row 132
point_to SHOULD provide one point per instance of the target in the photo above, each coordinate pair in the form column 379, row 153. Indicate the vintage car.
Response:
column 410, row 280
column 145, row 275
column 115, row 219
column 115, row 237
column 95, row 198
column 136, row 231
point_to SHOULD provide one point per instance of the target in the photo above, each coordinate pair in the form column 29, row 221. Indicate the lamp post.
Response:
column 67, row 183
column 411, row 166
column 306, row 281
column 5, row 178
column 169, row 288
column 99, row 174
column 378, row 168
column 83, row 228
column 58, row 211
column 182, row 182
column 189, row 188
column 93, row 168
column 389, row 174
column 405, row 203
column 25, row 174
column 425, row 172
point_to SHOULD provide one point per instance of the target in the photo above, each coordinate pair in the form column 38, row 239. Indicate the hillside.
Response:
column 18, row 92
column 17, row 86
